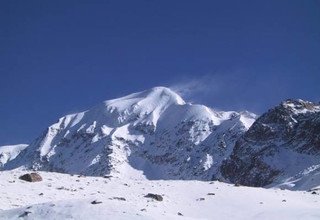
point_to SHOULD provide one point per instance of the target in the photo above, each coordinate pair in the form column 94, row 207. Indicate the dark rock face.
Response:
column 154, row 196
column 292, row 121
column 248, row 170
column 31, row 177
column 260, row 156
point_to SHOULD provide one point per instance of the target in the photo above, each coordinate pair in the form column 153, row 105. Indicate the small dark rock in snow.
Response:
column 179, row 213
column 154, row 196
column 314, row 193
column 60, row 188
column 284, row 200
column 24, row 214
column 31, row 177
column 211, row 194
column 119, row 198
column 40, row 194
column 95, row 202
column 143, row 210
column 201, row 199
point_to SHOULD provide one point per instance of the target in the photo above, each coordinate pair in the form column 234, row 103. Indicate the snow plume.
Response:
column 195, row 89
column 217, row 90
column 236, row 90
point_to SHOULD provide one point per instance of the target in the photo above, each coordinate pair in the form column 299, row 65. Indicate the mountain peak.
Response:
column 156, row 94
column 299, row 106
column 153, row 130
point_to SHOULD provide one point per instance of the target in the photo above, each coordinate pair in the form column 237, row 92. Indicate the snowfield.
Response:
column 62, row 196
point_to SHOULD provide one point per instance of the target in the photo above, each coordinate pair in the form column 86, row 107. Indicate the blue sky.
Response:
column 59, row 57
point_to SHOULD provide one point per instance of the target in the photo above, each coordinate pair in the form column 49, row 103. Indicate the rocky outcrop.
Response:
column 283, row 143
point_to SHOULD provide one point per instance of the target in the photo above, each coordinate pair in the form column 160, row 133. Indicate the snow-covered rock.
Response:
column 281, row 148
column 152, row 134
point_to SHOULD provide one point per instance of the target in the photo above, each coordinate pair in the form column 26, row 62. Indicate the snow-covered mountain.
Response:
column 152, row 134
column 9, row 152
column 147, row 137
column 155, row 134
column 281, row 148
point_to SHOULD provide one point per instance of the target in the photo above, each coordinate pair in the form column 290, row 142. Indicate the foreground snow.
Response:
column 62, row 196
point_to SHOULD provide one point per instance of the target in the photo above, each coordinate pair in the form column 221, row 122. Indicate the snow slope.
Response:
column 9, row 152
column 152, row 134
column 62, row 196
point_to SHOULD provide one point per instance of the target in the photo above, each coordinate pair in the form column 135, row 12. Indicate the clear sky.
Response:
column 60, row 57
